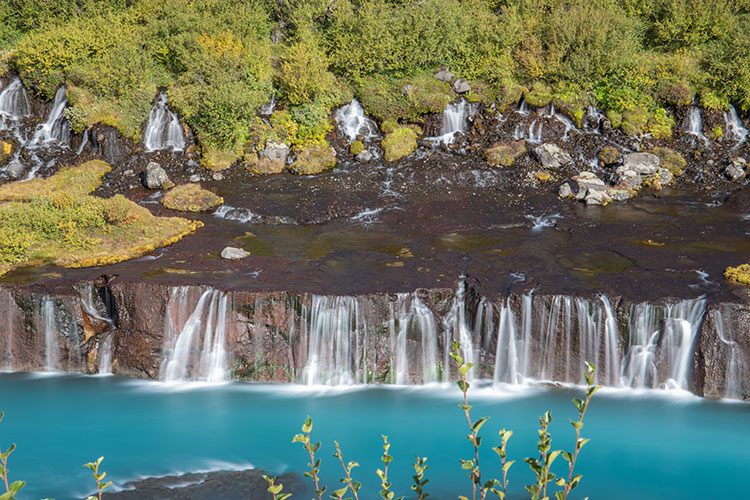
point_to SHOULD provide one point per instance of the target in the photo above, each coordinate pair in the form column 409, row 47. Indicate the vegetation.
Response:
column 400, row 143
column 191, row 198
column 739, row 274
column 11, row 488
column 220, row 61
column 504, row 155
column 57, row 221
column 99, row 477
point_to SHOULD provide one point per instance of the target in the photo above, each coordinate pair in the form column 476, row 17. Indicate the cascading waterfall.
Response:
column 335, row 342
column 195, row 347
column 51, row 345
column 736, row 364
column 457, row 328
column 694, row 125
column 354, row 124
column 163, row 130
column 411, row 318
column 523, row 108
column 594, row 119
column 55, row 131
column 735, row 129
column 106, row 344
column 14, row 104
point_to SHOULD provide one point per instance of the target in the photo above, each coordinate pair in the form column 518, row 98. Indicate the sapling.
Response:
column 11, row 488
column 572, row 481
column 385, row 485
column 311, row 449
column 420, row 467
column 349, row 483
column 541, row 466
column 101, row 485
column 276, row 489
column 501, row 489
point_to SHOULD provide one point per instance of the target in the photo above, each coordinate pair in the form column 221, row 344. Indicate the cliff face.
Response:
column 157, row 331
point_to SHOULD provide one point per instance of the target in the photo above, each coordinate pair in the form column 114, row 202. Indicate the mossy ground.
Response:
column 504, row 155
column 739, row 274
column 57, row 221
column 400, row 143
column 191, row 198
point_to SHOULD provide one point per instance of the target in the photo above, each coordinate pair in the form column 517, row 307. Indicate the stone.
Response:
column 552, row 156
column 665, row 176
column 461, row 86
column 234, row 253
column 734, row 172
column 641, row 163
column 504, row 154
column 565, row 191
column 597, row 197
column 364, row 156
column 589, row 180
column 15, row 169
column 155, row 176
column 217, row 176
column 195, row 178
column 618, row 193
column 128, row 172
column 444, row 75
column 275, row 151
column 628, row 179
column 407, row 90
column 6, row 150
column 609, row 155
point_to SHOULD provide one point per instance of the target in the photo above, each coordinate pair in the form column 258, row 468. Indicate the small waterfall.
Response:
column 594, row 119
column 106, row 342
column 163, row 130
column 694, row 125
column 51, row 345
column 540, row 222
column 457, row 328
column 506, row 355
column 354, row 124
column 567, row 123
column 55, row 131
column 736, row 365
column 734, row 127
column 268, row 108
column 14, row 104
column 414, row 320
column 455, row 120
column 522, row 107
column 195, row 347
column 335, row 340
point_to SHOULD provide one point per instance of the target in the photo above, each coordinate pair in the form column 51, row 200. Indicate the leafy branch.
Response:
column 311, row 449
column 11, row 488
column 101, row 485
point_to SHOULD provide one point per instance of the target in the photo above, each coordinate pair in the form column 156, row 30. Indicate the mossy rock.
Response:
column 6, row 150
column 356, row 147
column 217, row 160
column 191, row 198
column 314, row 160
column 739, row 274
column 399, row 144
column 609, row 155
column 542, row 176
column 262, row 166
column 614, row 117
column 716, row 133
column 539, row 96
column 634, row 121
column 504, row 155
column 671, row 160
column 384, row 97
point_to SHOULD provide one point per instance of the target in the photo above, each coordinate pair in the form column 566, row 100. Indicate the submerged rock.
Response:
column 234, row 253
column 552, row 156
column 155, row 177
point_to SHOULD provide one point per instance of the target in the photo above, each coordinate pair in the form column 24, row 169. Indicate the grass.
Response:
column 191, row 198
column 57, row 221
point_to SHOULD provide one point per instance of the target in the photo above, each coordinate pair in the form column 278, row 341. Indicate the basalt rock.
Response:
column 552, row 156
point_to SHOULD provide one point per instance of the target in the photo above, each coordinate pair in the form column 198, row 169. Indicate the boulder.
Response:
column 314, row 160
column 234, row 253
column 641, row 163
column 665, row 176
column 15, row 169
column 364, row 156
column 565, row 191
column 461, row 86
column 735, row 171
column 609, row 155
column 6, row 150
column 191, row 198
column 156, row 177
column 618, row 193
column 400, row 143
column 552, row 156
column 589, row 181
column 504, row 154
column 444, row 75
column 275, row 151
column 628, row 179
column 596, row 197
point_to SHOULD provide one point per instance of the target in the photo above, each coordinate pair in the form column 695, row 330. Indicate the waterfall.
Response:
column 51, row 347
column 163, row 130
column 523, row 108
column 411, row 319
column 736, row 365
column 455, row 120
column 334, row 350
column 506, row 355
column 268, row 108
column 106, row 340
column 55, row 131
column 195, row 347
column 694, row 125
column 594, row 119
column 14, row 104
column 456, row 328
column 567, row 123
column 354, row 124
column 735, row 129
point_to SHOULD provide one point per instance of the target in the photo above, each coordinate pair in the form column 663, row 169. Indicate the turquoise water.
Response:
column 643, row 446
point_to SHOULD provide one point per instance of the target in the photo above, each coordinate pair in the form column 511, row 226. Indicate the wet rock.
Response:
column 664, row 176
column 552, row 156
column 127, row 173
column 217, row 176
column 257, row 165
column 735, row 171
column 234, row 253
column 15, row 169
column 444, row 75
column 364, row 156
column 618, row 193
column 275, row 151
column 192, row 165
column 565, row 191
column 155, row 177
column 195, row 178
column 641, row 163
column 589, row 181
column 461, row 86
column 596, row 197
column 628, row 179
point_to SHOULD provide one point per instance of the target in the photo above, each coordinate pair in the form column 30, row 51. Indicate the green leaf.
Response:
column 479, row 423
column 507, row 465
column 307, row 426
column 299, row 438
column 16, row 486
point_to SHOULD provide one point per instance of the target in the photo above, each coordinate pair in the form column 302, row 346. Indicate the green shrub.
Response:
column 660, row 124
column 400, row 143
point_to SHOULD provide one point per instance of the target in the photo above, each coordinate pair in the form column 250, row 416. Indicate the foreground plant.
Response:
column 541, row 466
column 350, row 484
column 101, row 485
column 276, row 489
column 420, row 467
column 312, row 449
column 385, row 485
column 11, row 488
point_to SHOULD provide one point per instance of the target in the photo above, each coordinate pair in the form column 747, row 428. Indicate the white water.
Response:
column 268, row 108
column 163, row 130
column 14, row 104
column 106, row 340
column 736, row 367
column 523, row 108
column 694, row 125
column 195, row 336
column 736, row 130
column 540, row 222
column 354, row 124
column 412, row 319
column 55, row 131
column 51, row 347
column 457, row 329
column 455, row 121
column 594, row 116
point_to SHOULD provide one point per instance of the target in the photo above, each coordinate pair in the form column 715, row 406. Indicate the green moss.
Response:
column 399, row 144
column 739, row 274
column 539, row 96
column 356, row 147
column 671, row 160
column 609, row 155
column 504, row 155
column 716, row 133
column 314, row 160
column 384, row 98
column 711, row 101
column 615, row 118
column 217, row 160
column 191, row 198
column 56, row 221
column 634, row 121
